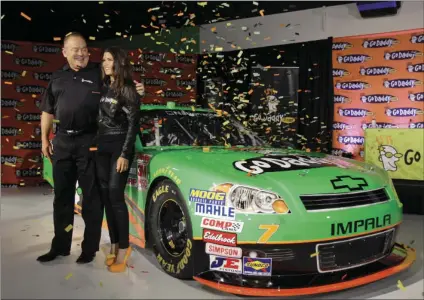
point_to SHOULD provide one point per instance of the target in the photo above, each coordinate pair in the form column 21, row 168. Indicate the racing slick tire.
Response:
column 171, row 231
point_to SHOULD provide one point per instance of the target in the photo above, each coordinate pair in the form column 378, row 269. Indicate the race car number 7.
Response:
column 270, row 230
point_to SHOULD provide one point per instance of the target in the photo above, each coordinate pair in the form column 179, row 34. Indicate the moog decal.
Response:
column 207, row 197
column 222, row 225
column 220, row 250
column 279, row 163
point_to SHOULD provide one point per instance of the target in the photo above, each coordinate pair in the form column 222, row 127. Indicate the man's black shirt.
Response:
column 74, row 97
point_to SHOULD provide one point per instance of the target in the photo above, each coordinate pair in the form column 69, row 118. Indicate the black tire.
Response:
column 171, row 231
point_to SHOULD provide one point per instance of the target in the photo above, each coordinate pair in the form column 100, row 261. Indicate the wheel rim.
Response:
column 172, row 227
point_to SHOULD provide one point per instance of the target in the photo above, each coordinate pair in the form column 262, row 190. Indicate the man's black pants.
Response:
column 72, row 160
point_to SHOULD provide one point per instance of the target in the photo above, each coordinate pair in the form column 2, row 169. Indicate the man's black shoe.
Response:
column 85, row 258
column 51, row 255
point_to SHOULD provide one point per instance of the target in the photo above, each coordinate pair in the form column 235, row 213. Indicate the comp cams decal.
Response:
column 222, row 225
column 220, row 250
column 220, row 238
column 280, row 163
column 225, row 264
column 257, row 266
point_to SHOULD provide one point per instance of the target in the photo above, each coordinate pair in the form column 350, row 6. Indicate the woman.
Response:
column 118, row 122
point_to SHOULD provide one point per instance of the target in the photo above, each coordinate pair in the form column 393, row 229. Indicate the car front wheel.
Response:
column 171, row 231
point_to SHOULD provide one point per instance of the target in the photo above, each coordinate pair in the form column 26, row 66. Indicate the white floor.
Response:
column 26, row 232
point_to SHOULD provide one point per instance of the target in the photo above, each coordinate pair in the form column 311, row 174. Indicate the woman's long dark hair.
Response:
column 123, row 85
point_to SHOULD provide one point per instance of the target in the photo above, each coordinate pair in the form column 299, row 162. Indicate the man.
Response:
column 72, row 98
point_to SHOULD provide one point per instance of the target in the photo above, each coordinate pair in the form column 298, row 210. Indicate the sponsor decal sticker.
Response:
column 353, row 58
column 225, row 251
column 380, row 43
column 360, row 225
column 159, row 191
column 218, row 211
column 225, row 264
column 378, row 98
column 220, row 238
column 402, row 55
column 352, row 85
column 207, row 197
column 222, row 225
column 257, row 266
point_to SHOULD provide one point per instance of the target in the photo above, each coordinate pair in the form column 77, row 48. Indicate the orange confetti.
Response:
column 183, row 39
column 8, row 82
column 267, row 38
column 213, row 29
column 262, row 12
column 250, row 92
column 25, row 16
column 9, row 52
column 57, row 38
column 23, row 74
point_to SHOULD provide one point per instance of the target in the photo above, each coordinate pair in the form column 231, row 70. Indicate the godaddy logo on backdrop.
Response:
column 354, row 112
column 401, row 55
column 353, row 85
column 341, row 99
column 417, row 68
column 341, row 126
column 341, row 46
column 377, row 98
column 403, row 112
column 46, row 49
column 351, row 140
column 29, row 62
column 340, row 73
column 380, row 43
column 353, row 58
column 9, row 75
column 376, row 71
column 30, row 89
column 416, row 96
column 8, row 47
column 45, row 76
column 402, row 83
column 417, row 39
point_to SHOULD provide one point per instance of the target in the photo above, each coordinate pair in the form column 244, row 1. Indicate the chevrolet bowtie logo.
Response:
column 347, row 182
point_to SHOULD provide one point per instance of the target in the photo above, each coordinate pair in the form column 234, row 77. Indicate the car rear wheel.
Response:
column 171, row 231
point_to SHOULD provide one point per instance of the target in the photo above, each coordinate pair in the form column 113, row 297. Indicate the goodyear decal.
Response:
column 257, row 266
column 207, row 197
column 402, row 55
column 376, row 71
column 378, row 98
column 353, row 58
column 341, row 46
column 159, row 191
column 351, row 140
column 352, row 85
column 403, row 112
column 354, row 112
column 416, row 96
column 380, row 43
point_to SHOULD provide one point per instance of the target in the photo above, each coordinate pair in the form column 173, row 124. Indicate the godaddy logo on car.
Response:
column 341, row 126
column 416, row 96
column 417, row 68
column 417, row 39
column 341, row 99
column 340, row 72
column 402, row 83
column 341, row 46
column 352, row 85
column 257, row 265
column 380, row 43
column 378, row 98
column 351, row 140
column 354, row 112
column 376, row 71
column 353, row 58
column 400, row 55
column 416, row 125
column 403, row 112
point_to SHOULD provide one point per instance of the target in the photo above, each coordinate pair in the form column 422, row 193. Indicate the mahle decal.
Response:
column 403, row 112
column 416, row 96
column 401, row 55
column 353, row 58
column 378, row 98
column 360, row 225
column 376, row 71
column 352, row 85
column 380, row 43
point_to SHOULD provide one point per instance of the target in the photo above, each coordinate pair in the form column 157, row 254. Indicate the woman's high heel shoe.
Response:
column 110, row 259
column 121, row 267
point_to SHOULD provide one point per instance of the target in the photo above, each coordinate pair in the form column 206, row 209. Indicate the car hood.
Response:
column 289, row 171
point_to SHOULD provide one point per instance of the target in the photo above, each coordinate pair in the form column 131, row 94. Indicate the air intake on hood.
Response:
column 334, row 201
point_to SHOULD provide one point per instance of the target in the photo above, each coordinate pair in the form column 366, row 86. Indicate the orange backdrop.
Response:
column 378, row 83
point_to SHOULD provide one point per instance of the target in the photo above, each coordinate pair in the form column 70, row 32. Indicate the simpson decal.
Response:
column 225, row 251
column 257, row 266
column 207, row 197
column 281, row 163
column 222, row 225
column 216, row 211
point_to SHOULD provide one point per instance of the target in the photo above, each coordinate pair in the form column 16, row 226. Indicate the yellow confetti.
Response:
column 203, row 4
column 92, row 38
column 213, row 29
column 100, row 2
column 101, row 284
column 68, row 276
column 206, row 149
column 118, row 33
column 68, row 228
column 25, row 16
column 262, row 12
column 9, row 52
column 56, row 121
column 23, row 73
column 9, row 164
column 111, row 256
column 400, row 285
column 193, row 108
column 225, row 123
column 56, row 38
column 219, row 48
column 314, row 254
column 16, row 147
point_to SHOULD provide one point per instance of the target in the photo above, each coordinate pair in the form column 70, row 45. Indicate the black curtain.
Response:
column 315, row 95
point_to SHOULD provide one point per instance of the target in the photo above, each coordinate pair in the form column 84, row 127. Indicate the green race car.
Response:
column 219, row 205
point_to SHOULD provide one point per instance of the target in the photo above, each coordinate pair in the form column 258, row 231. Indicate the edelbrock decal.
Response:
column 280, row 163
column 222, row 225
column 225, row 251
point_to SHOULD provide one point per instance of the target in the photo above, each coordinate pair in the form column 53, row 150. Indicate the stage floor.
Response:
column 26, row 231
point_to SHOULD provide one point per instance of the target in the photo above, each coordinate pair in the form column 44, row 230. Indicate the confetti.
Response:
column 68, row 228
column 57, row 38
column 203, row 4
column 9, row 164
column 100, row 2
column 400, row 285
column 8, row 82
column 344, row 276
column 255, row 3
column 68, row 276
column 92, row 38
column 262, row 12
column 25, row 16
column 101, row 284
column 111, row 256
column 23, row 73
column 9, row 52
column 118, row 33
column 2, row 17
column 314, row 254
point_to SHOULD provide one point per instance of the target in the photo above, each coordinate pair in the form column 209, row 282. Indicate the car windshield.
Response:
column 199, row 128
